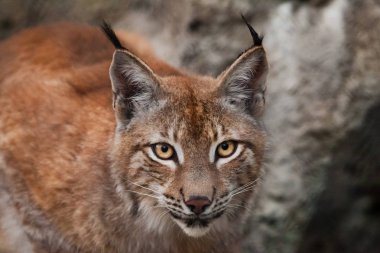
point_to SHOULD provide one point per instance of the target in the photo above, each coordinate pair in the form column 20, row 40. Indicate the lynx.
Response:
column 109, row 149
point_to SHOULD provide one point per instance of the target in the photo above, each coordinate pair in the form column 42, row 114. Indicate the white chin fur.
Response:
column 193, row 231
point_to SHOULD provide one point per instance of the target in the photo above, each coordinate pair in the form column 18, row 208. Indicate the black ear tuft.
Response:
column 109, row 32
column 257, row 39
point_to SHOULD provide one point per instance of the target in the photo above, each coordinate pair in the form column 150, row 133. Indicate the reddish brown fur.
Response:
column 57, row 127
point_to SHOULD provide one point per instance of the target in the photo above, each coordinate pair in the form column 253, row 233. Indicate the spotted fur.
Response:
column 81, row 174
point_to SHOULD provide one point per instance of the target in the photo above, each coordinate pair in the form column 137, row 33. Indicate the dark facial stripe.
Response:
column 150, row 160
column 135, row 204
column 249, row 145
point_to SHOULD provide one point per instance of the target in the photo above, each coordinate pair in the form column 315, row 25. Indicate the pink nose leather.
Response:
column 198, row 204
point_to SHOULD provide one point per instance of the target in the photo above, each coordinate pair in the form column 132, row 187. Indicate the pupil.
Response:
column 164, row 148
column 224, row 146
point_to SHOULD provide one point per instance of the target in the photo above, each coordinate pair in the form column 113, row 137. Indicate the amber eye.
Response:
column 163, row 151
column 226, row 149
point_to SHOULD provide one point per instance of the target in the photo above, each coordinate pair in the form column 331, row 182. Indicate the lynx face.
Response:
column 188, row 149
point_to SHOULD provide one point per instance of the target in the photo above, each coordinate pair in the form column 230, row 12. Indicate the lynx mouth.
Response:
column 195, row 226
column 197, row 222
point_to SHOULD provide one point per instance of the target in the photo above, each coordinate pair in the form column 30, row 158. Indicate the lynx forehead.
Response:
column 128, row 155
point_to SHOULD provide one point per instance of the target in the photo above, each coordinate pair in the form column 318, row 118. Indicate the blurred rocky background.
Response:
column 321, row 188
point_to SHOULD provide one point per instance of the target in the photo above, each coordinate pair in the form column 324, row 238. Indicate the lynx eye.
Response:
column 163, row 151
column 226, row 149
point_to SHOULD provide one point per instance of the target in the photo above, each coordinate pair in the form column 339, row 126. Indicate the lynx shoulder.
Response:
column 110, row 149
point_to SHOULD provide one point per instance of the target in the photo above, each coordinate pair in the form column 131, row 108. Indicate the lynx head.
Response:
column 188, row 149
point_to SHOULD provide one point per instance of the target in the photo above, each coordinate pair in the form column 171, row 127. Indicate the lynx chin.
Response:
column 106, row 148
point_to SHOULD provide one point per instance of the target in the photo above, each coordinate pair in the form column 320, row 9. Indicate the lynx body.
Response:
column 113, row 150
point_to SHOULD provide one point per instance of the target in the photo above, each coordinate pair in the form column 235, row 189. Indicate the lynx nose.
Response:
column 198, row 204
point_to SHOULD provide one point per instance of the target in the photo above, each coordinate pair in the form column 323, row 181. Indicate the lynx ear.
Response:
column 134, row 85
column 242, row 85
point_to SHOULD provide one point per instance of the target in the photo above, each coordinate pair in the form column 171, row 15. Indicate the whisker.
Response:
column 147, row 188
column 243, row 190
column 144, row 194
column 244, row 186
column 162, row 215
column 160, row 206
column 233, row 207
column 237, row 206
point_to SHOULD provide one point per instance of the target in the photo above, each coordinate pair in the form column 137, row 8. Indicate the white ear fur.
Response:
column 242, row 85
column 133, row 83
